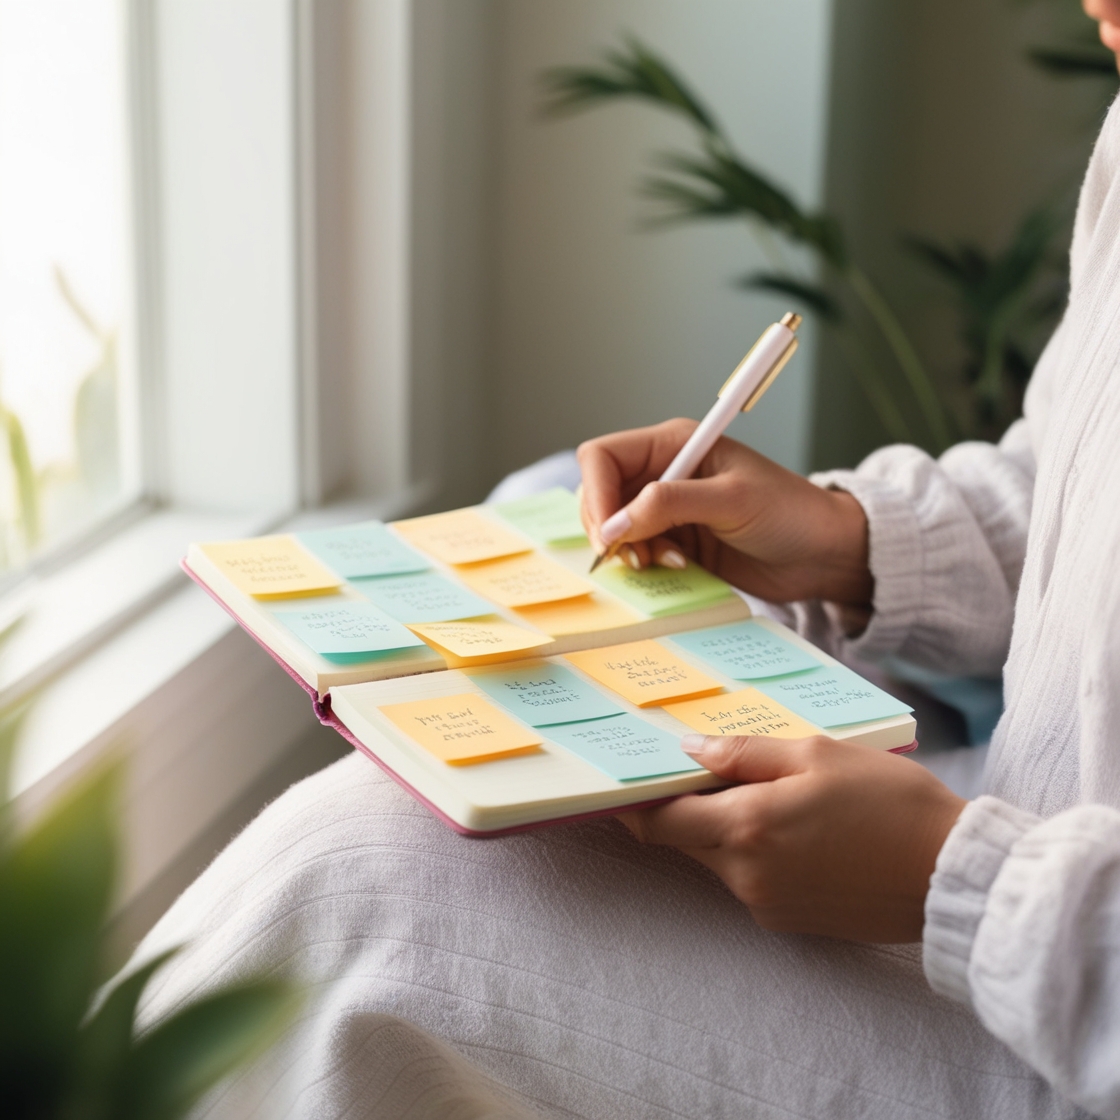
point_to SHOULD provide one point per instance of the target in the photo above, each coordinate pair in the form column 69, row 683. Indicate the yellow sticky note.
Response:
column 271, row 567
column 746, row 712
column 523, row 581
column 460, row 730
column 478, row 641
column 463, row 536
column 585, row 615
column 645, row 673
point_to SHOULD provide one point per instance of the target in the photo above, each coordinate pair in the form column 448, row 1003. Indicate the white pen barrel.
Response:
column 746, row 379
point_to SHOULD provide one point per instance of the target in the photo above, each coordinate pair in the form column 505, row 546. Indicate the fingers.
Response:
column 755, row 758
column 694, row 822
column 616, row 467
column 1103, row 10
column 1110, row 36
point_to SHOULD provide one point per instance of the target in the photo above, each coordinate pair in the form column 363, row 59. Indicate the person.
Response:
column 599, row 971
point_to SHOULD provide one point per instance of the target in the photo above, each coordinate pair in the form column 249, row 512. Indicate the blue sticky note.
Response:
column 624, row 747
column 832, row 696
column 426, row 597
column 545, row 694
column 366, row 549
column 346, row 630
column 746, row 651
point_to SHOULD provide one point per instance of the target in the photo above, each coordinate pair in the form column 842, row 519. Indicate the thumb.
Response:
column 661, row 506
column 749, row 758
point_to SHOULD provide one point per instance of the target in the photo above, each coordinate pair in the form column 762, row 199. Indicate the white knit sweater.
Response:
column 1014, row 552
column 573, row 972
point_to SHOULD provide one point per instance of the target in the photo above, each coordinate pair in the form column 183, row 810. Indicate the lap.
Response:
column 565, row 972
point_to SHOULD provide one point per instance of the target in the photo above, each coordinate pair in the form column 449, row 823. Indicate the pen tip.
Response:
column 598, row 561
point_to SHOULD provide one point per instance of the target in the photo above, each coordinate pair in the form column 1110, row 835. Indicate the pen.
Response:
column 740, row 393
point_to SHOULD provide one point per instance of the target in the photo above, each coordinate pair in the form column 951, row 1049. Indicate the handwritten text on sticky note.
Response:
column 624, row 747
column 483, row 638
column 367, row 549
column 832, row 696
column 460, row 730
column 663, row 591
column 523, row 581
column 268, row 567
column 543, row 693
column 462, row 536
column 348, row 628
column 425, row 597
column 746, row 712
column 645, row 673
column 746, row 651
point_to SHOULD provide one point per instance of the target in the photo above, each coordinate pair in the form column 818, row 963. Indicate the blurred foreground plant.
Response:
column 66, row 1052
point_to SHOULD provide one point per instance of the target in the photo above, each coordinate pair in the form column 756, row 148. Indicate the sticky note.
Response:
column 624, row 747
column 550, row 518
column 523, row 581
column 426, row 597
column 832, row 696
column 662, row 591
column 746, row 712
column 746, row 651
column 542, row 694
column 348, row 628
column 463, row 536
column 268, row 567
column 585, row 615
column 367, row 549
column 645, row 673
column 478, row 640
column 460, row 730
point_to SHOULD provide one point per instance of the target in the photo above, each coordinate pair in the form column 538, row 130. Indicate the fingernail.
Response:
column 694, row 745
column 614, row 527
column 632, row 558
column 673, row 559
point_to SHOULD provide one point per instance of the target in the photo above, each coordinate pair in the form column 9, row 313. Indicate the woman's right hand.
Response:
column 1107, row 14
column 753, row 523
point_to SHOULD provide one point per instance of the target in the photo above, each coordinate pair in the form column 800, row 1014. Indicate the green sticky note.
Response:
column 832, row 696
column 550, row 518
column 746, row 651
column 366, row 549
column 545, row 694
column 624, row 747
column 426, row 597
column 662, row 591
column 348, row 630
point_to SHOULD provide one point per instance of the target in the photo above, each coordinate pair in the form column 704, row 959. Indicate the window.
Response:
column 68, row 427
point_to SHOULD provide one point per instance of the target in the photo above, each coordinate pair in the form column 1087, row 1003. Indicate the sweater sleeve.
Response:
column 947, row 541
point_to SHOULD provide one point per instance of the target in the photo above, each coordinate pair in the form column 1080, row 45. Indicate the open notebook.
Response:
column 472, row 657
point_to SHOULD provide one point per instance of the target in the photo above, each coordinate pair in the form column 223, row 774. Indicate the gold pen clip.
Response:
column 790, row 319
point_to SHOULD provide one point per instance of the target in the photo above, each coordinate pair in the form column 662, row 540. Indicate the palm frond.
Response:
column 811, row 296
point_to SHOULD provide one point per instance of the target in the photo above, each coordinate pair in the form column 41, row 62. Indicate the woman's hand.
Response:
column 824, row 837
column 1107, row 13
column 755, row 524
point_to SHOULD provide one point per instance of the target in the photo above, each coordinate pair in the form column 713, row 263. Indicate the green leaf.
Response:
column 633, row 72
column 809, row 295
column 1075, row 62
column 174, row 1064
column 27, row 485
column 56, row 883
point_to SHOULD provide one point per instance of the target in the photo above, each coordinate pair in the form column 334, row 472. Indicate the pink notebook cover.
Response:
column 327, row 717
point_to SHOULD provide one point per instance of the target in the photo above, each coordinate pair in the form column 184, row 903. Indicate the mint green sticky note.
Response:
column 550, row 518
column 624, row 747
column 662, row 591
column 425, row 597
column 366, row 549
column 746, row 651
column 347, row 629
column 545, row 694
column 832, row 696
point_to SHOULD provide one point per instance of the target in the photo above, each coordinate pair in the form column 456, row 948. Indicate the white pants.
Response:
column 567, row 972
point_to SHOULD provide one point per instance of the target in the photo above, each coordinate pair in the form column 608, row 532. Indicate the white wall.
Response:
column 600, row 325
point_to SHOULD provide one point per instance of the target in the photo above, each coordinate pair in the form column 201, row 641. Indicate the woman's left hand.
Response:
column 822, row 837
